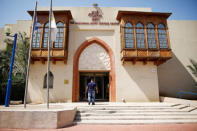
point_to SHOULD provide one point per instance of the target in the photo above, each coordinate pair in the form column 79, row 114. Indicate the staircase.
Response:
column 136, row 113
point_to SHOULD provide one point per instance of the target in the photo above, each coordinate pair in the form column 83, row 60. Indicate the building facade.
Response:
column 133, row 54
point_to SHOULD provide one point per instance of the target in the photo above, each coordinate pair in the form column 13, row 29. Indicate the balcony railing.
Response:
column 158, row 56
column 56, row 54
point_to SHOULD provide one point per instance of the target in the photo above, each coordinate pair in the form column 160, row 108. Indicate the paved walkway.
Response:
column 84, row 127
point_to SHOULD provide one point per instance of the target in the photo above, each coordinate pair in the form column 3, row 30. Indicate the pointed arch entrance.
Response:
column 112, row 88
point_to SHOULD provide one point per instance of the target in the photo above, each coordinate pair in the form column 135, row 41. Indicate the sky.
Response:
column 13, row 10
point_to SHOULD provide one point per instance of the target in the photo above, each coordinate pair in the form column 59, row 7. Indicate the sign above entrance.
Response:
column 96, row 15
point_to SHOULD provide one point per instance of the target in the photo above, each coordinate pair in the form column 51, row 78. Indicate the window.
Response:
column 140, row 36
column 162, row 36
column 129, row 40
column 45, row 39
column 36, row 36
column 151, row 36
column 59, row 37
column 50, row 80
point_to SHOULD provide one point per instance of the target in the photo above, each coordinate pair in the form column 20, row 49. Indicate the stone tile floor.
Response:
column 154, row 127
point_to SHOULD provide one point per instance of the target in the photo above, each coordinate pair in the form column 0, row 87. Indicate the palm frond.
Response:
column 194, row 63
column 193, row 67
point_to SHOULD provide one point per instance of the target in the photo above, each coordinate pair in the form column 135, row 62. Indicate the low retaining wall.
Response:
column 37, row 118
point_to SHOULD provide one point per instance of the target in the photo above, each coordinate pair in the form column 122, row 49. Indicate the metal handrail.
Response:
column 185, row 92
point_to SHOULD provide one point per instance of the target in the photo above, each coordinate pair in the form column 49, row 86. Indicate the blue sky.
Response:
column 13, row 10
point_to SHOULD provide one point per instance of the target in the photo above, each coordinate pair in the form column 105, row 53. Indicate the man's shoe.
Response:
column 88, row 103
column 93, row 103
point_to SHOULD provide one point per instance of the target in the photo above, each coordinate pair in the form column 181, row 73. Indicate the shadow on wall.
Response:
column 142, row 82
column 173, row 77
column 38, row 94
column 34, row 94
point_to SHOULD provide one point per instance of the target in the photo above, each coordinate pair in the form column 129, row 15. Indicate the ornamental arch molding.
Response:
column 106, row 60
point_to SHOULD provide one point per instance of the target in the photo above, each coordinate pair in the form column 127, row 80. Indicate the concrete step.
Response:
column 129, row 111
column 136, row 114
column 181, row 108
column 190, row 109
column 162, row 117
column 131, row 107
column 155, row 104
column 134, row 121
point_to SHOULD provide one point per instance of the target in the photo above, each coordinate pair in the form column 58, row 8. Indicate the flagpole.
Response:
column 49, row 43
column 29, row 56
column 8, row 91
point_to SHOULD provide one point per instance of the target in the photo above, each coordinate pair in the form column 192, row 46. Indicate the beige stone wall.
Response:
column 137, row 83
column 20, row 26
column 174, row 75
column 133, row 82
column 80, row 14
column 2, row 36
column 61, row 92
column 61, row 71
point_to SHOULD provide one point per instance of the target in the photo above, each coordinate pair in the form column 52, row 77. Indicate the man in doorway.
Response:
column 91, row 87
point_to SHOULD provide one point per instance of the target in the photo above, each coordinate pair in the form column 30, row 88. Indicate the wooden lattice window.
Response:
column 140, row 36
column 59, row 37
column 36, row 36
column 151, row 36
column 46, row 34
column 162, row 36
column 129, row 39
column 51, row 77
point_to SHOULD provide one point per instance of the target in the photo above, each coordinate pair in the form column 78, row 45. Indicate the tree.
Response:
column 193, row 68
column 19, row 69
column 22, row 54
column 5, row 56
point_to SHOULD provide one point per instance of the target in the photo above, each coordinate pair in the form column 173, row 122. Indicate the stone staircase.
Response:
column 135, row 113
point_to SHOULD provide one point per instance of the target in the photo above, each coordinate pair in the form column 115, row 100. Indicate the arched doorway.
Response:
column 75, row 89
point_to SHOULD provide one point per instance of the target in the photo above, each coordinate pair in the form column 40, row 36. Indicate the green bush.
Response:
column 19, row 68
